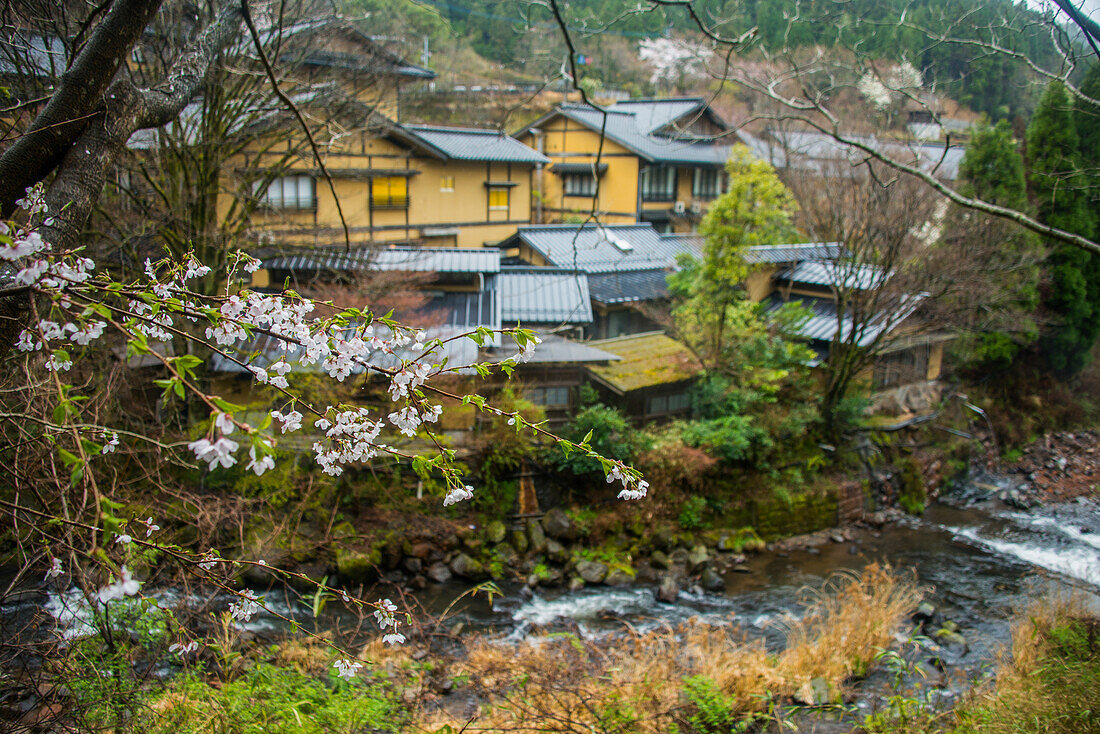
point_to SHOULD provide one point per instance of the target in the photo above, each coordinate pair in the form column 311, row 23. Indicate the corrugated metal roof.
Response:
column 263, row 350
column 471, row 144
column 410, row 259
column 647, row 360
column 821, row 153
column 847, row 275
column 823, row 323
column 467, row 310
column 556, row 349
column 599, row 248
column 629, row 126
column 628, row 287
column 43, row 56
column 544, row 296
column 759, row 254
column 654, row 114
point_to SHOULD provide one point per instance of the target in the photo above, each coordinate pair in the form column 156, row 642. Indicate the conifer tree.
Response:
column 1057, row 187
column 992, row 169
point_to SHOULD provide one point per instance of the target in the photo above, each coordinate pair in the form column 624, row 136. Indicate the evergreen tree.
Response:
column 1057, row 187
column 755, row 210
column 992, row 169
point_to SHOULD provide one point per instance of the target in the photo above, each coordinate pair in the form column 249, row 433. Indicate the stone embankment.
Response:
column 556, row 550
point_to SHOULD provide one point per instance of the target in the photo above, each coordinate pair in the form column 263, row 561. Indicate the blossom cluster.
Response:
column 383, row 614
column 246, row 605
column 125, row 585
column 634, row 487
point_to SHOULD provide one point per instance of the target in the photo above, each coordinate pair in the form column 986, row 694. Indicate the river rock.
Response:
column 467, row 567
column 712, row 580
column 618, row 577
column 593, row 572
column 728, row 543
column 698, row 557
column 354, row 566
column 536, row 538
column 519, row 541
column 439, row 573
column 558, row 525
column 576, row 583
column 556, row 551
column 660, row 560
column 678, row 557
column 495, row 532
column 420, row 550
column 668, row 589
column 413, row 565
column 662, row 538
column 925, row 611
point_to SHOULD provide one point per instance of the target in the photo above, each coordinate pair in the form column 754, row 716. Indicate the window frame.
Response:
column 269, row 200
column 390, row 201
column 653, row 190
column 711, row 192
column 506, row 191
column 578, row 184
column 443, row 184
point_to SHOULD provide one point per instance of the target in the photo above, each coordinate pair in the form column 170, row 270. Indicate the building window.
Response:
column 447, row 183
column 389, row 192
column 550, row 397
column 289, row 192
column 662, row 404
column 498, row 198
column 579, row 184
column 707, row 183
column 658, row 183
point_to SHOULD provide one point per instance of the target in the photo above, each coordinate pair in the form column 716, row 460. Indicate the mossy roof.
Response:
column 647, row 360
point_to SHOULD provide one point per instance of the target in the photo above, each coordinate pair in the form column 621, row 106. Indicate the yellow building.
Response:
column 647, row 160
column 400, row 184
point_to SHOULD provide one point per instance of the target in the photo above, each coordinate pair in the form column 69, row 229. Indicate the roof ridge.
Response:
column 651, row 100
column 447, row 128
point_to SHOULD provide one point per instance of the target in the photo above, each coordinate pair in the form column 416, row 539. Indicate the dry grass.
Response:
column 636, row 683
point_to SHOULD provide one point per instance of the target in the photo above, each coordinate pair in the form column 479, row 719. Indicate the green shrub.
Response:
column 269, row 699
column 692, row 512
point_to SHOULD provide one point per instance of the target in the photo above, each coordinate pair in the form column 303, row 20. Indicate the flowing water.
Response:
column 982, row 562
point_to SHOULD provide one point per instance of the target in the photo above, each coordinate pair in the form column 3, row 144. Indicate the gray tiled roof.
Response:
column 544, row 296
column 599, row 248
column 820, row 153
column 467, row 310
column 24, row 53
column 823, row 323
column 847, row 274
column 631, row 126
column 555, row 349
column 470, row 144
column 759, row 254
column 628, row 287
column 411, row 259
column 652, row 115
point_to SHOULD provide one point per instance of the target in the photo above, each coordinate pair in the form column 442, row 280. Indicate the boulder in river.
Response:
column 698, row 557
column 558, row 525
column 660, row 560
column 556, row 551
column 467, row 567
column 495, row 532
column 439, row 573
column 618, row 577
column 712, row 580
column 593, row 572
column 536, row 538
column 669, row 589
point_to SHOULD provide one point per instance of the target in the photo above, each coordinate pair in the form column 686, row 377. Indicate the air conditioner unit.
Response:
column 679, row 207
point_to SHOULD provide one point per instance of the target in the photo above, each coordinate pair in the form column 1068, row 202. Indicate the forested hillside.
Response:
column 513, row 33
